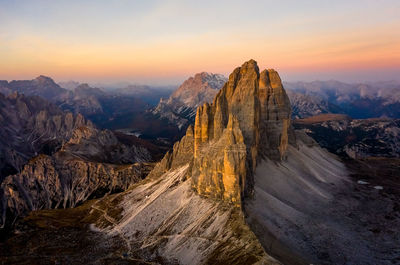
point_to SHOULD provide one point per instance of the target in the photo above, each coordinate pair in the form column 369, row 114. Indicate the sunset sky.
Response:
column 164, row 42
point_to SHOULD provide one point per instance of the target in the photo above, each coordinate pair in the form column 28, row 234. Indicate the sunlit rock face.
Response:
column 219, row 166
column 249, row 119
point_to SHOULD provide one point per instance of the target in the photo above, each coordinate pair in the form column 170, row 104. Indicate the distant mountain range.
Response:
column 130, row 108
column 124, row 108
column 359, row 101
column 355, row 138
column 370, row 100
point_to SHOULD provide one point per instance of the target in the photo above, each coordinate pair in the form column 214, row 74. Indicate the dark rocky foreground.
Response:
column 65, row 236
column 62, row 237
column 354, row 138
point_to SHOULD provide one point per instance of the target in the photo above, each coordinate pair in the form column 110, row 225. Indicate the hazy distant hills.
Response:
column 41, row 86
column 369, row 100
column 304, row 105
column 149, row 94
column 370, row 126
column 124, row 108
column 361, row 100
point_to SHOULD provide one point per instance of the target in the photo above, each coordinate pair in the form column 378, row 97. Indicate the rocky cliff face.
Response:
column 62, row 181
column 180, row 107
column 249, row 119
column 92, row 163
column 75, row 161
column 31, row 125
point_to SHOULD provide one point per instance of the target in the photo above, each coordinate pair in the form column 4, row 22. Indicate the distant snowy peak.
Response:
column 180, row 107
column 198, row 89
column 215, row 81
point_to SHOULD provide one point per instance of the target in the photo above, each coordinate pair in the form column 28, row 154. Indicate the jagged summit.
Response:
column 202, row 84
column 253, row 107
column 248, row 119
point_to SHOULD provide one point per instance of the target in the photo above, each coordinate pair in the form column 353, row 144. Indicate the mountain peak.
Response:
column 254, row 106
column 44, row 79
column 248, row 120
column 250, row 64
column 180, row 108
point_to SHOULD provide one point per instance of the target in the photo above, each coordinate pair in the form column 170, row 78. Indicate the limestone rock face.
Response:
column 219, row 169
column 249, row 119
column 275, row 116
column 91, row 163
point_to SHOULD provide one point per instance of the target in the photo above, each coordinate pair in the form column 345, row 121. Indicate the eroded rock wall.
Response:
column 249, row 119
column 62, row 181
column 252, row 105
